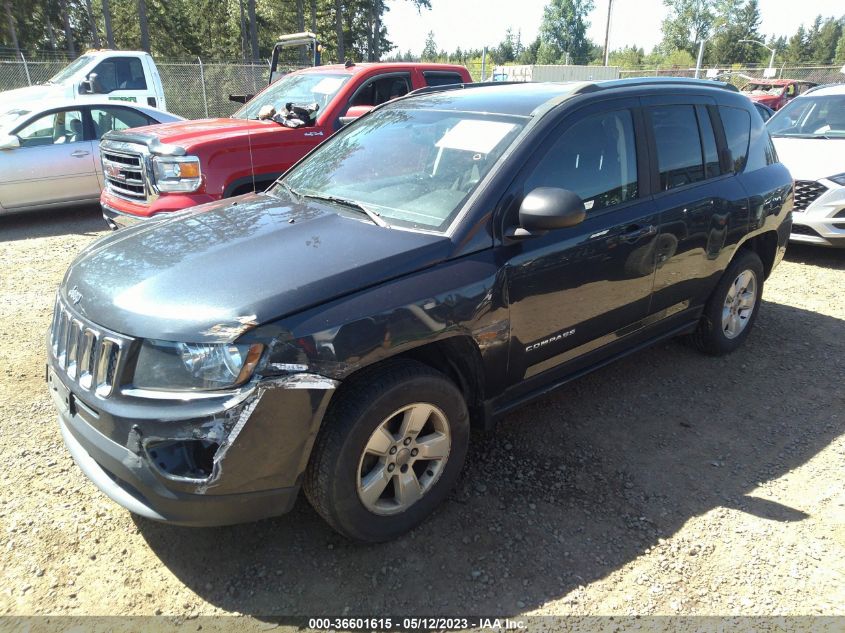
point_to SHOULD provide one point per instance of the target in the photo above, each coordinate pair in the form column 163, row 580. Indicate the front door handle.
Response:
column 80, row 153
column 636, row 232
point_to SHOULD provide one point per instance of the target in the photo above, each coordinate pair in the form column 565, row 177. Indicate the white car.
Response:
column 809, row 136
column 50, row 152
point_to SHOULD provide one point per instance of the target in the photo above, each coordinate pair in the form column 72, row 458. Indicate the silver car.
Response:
column 50, row 155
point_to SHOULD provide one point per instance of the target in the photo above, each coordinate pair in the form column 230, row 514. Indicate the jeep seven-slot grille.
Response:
column 89, row 356
column 806, row 191
column 124, row 174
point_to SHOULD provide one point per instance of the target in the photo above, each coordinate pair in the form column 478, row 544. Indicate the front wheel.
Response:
column 732, row 308
column 390, row 450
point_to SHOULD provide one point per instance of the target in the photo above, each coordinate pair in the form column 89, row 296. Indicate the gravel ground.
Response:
column 667, row 483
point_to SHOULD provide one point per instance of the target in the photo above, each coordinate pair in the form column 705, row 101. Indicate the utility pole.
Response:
column 107, row 24
column 607, row 33
column 313, row 16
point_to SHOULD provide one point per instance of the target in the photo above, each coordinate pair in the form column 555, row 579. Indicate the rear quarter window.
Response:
column 737, row 124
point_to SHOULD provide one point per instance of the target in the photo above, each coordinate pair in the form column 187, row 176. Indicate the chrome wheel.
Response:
column 403, row 458
column 739, row 304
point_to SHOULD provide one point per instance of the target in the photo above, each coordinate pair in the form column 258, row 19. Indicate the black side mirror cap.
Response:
column 546, row 209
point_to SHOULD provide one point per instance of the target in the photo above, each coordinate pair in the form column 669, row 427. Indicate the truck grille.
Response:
column 90, row 357
column 806, row 191
column 125, row 173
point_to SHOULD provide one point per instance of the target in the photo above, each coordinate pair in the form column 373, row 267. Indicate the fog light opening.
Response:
column 191, row 459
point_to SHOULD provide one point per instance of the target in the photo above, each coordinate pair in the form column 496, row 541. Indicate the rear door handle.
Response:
column 80, row 153
column 636, row 232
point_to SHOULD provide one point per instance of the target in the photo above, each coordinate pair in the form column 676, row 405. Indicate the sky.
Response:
column 476, row 23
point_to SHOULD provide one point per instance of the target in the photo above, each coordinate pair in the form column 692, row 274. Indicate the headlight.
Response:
column 170, row 366
column 839, row 179
column 177, row 173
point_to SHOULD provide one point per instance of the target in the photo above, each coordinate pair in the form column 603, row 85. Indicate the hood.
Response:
column 210, row 273
column 33, row 94
column 811, row 158
column 765, row 99
column 188, row 133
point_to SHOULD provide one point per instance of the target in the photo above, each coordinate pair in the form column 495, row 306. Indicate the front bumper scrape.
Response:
column 263, row 445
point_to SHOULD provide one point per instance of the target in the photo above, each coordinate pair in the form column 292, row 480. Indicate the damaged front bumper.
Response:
column 195, row 459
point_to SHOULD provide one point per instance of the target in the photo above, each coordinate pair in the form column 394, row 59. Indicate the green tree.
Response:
column 798, row 48
column 627, row 57
column 529, row 53
column 823, row 44
column 688, row 23
column 736, row 22
column 429, row 51
column 563, row 32
column 506, row 52
column 840, row 50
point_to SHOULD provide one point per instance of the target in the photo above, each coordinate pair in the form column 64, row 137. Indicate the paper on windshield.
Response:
column 474, row 135
column 328, row 86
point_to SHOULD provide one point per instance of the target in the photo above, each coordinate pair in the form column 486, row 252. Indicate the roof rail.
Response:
column 475, row 84
column 819, row 86
column 656, row 81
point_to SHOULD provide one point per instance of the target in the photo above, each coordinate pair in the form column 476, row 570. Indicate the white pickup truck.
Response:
column 98, row 75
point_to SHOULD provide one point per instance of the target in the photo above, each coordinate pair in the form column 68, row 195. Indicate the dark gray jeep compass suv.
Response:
column 440, row 261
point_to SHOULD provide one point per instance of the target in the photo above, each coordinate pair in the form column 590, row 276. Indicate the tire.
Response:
column 342, row 462
column 716, row 335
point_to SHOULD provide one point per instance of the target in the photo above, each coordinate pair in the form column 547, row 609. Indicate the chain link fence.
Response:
column 193, row 89
column 197, row 89
column 201, row 90
column 740, row 75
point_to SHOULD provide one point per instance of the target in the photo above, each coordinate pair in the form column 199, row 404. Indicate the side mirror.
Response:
column 240, row 98
column 9, row 141
column 91, row 85
column 546, row 209
column 354, row 112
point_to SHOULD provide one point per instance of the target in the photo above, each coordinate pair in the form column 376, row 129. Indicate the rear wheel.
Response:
column 390, row 450
column 732, row 308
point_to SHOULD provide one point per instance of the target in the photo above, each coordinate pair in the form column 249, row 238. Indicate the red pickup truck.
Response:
column 775, row 93
column 169, row 167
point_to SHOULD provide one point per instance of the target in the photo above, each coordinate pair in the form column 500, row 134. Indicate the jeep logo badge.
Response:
column 74, row 295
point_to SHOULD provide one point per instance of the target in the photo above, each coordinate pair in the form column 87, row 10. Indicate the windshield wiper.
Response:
column 822, row 135
column 352, row 204
column 291, row 190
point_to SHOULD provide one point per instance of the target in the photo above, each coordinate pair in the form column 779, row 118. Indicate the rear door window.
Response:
column 439, row 78
column 107, row 119
column 708, row 143
column 679, row 149
column 737, row 124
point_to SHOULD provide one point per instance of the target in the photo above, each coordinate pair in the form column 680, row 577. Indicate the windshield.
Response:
column 413, row 168
column 810, row 117
column 69, row 70
column 9, row 118
column 295, row 88
column 767, row 89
